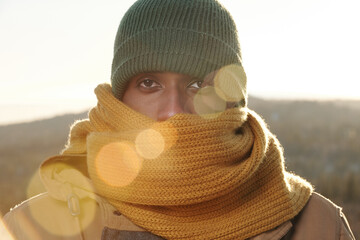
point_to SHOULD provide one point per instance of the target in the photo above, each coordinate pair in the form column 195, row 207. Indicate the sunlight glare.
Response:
column 168, row 132
column 209, row 102
column 230, row 83
column 44, row 210
column 149, row 143
column 35, row 186
column 118, row 164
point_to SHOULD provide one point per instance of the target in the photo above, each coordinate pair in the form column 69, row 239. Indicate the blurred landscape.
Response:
column 321, row 142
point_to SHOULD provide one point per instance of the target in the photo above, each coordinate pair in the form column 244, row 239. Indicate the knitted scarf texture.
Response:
column 190, row 177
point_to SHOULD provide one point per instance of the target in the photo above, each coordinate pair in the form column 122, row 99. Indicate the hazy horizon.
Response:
column 17, row 113
column 54, row 53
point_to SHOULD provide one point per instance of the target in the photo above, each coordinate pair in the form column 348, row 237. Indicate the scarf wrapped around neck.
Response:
column 190, row 177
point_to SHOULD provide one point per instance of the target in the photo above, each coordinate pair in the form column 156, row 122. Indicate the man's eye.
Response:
column 148, row 83
column 196, row 84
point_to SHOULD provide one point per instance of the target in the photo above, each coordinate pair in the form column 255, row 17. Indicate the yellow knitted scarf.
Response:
column 190, row 177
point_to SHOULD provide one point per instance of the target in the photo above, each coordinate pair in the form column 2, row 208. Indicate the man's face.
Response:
column 161, row 95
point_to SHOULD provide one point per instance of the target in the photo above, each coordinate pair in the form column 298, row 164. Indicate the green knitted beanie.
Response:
column 192, row 37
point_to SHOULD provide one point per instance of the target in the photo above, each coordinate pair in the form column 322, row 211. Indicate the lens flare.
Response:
column 35, row 186
column 45, row 209
column 209, row 102
column 230, row 83
column 168, row 132
column 118, row 164
column 150, row 143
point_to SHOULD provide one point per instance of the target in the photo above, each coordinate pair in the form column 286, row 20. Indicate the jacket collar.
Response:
column 117, row 224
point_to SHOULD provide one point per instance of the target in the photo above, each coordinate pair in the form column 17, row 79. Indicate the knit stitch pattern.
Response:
column 219, row 177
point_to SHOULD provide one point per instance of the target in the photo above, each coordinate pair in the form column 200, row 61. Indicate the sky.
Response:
column 54, row 53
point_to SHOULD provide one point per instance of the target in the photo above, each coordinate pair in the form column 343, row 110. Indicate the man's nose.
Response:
column 173, row 101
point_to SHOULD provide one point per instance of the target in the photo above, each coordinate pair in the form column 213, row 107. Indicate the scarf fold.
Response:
column 220, row 176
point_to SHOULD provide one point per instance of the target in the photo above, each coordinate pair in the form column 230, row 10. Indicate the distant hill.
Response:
column 321, row 142
column 318, row 137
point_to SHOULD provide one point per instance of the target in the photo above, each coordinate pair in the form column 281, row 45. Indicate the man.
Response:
column 171, row 150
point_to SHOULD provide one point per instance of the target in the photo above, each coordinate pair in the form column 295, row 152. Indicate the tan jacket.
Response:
column 43, row 217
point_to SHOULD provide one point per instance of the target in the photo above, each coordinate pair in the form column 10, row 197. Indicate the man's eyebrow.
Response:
column 209, row 80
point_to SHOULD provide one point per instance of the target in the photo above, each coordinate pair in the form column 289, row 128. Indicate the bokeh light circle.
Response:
column 150, row 143
column 168, row 131
column 209, row 102
column 118, row 164
column 230, row 83
column 35, row 186
column 44, row 209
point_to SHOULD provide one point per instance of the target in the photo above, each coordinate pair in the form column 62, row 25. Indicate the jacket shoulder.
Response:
column 43, row 217
column 21, row 221
column 321, row 219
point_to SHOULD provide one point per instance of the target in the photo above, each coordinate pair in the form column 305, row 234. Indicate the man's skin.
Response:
column 161, row 95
